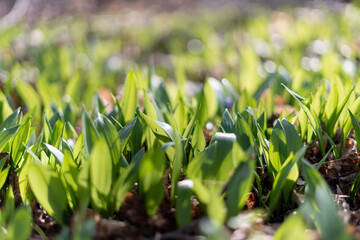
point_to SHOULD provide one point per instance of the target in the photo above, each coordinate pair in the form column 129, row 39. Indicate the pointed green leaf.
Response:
column 282, row 177
column 49, row 191
column 100, row 174
column 240, row 186
column 90, row 134
column 129, row 101
column 20, row 139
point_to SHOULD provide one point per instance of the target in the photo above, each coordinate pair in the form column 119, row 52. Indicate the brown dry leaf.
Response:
column 107, row 99
column 250, row 201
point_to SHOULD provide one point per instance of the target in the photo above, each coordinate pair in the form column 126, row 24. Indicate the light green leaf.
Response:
column 20, row 139
column 23, row 176
column 20, row 225
column 198, row 140
column 162, row 131
column 3, row 176
column 313, row 119
column 30, row 97
column 149, row 107
column 49, row 191
column 176, row 163
column 100, row 174
column 211, row 100
column 181, row 116
column 293, row 228
column 277, row 149
column 129, row 101
column 59, row 156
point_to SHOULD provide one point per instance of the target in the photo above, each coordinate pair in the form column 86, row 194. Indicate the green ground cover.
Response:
column 177, row 126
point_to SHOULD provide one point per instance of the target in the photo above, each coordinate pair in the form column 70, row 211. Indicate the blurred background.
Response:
column 33, row 10
column 66, row 51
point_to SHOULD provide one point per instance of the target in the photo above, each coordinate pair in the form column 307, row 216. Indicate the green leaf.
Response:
column 23, row 177
column 240, row 186
column 243, row 133
column 347, row 125
column 183, row 202
column 355, row 187
column 201, row 165
column 83, row 180
column 293, row 140
column 215, row 208
column 176, row 163
column 59, row 156
column 150, row 106
column 283, row 176
column 108, row 131
column 127, row 179
column 222, row 164
column 30, row 97
column 20, row 225
column 49, row 92
column 334, row 118
column 129, row 101
column 8, row 211
column 151, row 172
column 331, row 106
column 3, row 161
column 6, row 110
column 181, row 116
column 356, row 128
column 219, row 92
column 277, row 149
column 90, row 134
column 313, row 119
column 125, row 132
column 227, row 123
column 320, row 207
column 100, row 177
column 162, row 131
column 136, row 136
column 10, row 121
column 3, row 176
column 293, row 228
column 49, row 191
column 70, row 170
column 162, row 96
column 211, row 100
column 198, row 140
column 57, row 133
column 20, row 139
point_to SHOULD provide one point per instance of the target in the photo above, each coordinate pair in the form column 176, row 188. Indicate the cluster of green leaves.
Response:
column 95, row 168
